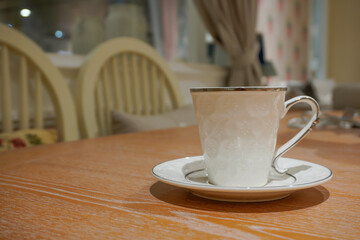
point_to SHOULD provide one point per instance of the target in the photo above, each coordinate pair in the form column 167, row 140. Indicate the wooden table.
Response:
column 103, row 189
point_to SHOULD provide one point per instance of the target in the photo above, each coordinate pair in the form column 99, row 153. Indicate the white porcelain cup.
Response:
column 238, row 130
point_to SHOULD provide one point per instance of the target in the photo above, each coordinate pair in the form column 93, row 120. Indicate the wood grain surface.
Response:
column 103, row 189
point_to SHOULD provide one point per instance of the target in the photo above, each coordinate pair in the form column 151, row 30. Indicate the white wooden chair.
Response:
column 124, row 74
column 20, row 55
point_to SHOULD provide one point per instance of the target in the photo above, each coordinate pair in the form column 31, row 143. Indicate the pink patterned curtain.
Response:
column 285, row 26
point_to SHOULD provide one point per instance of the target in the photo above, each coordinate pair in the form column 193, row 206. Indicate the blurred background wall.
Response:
column 343, row 62
column 304, row 39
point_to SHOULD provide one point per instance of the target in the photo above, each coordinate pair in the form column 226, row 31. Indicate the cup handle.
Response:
column 303, row 132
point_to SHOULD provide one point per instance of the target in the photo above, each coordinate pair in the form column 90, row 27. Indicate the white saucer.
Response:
column 190, row 173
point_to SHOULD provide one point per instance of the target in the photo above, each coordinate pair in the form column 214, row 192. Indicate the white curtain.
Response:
column 126, row 20
column 87, row 33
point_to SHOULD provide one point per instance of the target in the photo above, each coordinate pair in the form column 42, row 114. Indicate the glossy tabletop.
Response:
column 103, row 189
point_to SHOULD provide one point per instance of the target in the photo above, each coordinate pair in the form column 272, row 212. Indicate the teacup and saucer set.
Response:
column 238, row 132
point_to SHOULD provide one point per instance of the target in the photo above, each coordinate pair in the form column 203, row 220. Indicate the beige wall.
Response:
column 343, row 63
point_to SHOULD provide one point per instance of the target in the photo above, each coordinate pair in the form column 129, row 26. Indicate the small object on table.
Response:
column 346, row 120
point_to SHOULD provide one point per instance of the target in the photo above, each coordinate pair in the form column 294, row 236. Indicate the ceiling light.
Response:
column 25, row 12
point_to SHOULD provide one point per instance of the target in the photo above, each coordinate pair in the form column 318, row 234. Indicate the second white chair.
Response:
column 124, row 74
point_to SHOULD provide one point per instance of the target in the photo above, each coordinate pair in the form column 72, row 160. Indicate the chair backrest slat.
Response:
column 116, row 81
column 162, row 89
column 99, row 107
column 7, row 124
column 145, row 86
column 24, row 96
column 135, row 84
column 39, row 121
column 108, row 99
column 154, row 90
column 126, row 82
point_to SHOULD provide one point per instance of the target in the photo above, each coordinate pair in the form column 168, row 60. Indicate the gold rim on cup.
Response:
column 227, row 89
